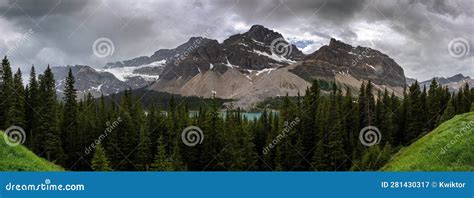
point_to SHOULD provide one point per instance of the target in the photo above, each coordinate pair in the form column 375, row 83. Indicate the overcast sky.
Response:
column 417, row 34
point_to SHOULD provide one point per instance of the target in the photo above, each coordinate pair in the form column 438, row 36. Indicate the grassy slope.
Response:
column 427, row 154
column 19, row 158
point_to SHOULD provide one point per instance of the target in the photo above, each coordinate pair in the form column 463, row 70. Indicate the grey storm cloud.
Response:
column 416, row 33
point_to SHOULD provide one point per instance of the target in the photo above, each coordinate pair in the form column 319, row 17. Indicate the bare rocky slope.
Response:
column 247, row 67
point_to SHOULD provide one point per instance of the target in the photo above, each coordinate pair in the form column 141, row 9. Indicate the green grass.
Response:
column 450, row 147
column 19, row 158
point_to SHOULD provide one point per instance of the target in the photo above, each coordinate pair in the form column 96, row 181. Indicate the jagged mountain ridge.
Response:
column 90, row 80
column 453, row 83
column 246, row 67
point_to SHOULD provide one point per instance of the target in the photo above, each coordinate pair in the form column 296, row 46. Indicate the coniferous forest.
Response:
column 318, row 131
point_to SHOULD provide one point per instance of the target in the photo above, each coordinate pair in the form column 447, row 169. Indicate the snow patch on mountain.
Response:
column 274, row 57
column 122, row 73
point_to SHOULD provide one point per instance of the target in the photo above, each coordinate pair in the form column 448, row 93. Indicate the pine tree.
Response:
column 100, row 162
column 366, row 105
column 7, row 91
column 449, row 112
column 161, row 161
column 309, row 121
column 335, row 138
column 16, row 113
column 143, row 154
column 415, row 111
column 374, row 158
column 69, row 124
column 49, row 126
column 32, row 108
column 319, row 160
column 472, row 107
column 433, row 104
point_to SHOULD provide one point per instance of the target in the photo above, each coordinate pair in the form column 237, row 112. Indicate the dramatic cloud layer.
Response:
column 415, row 33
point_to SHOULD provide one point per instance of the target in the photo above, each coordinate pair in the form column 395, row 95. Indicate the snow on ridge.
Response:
column 268, row 70
column 274, row 57
column 258, row 42
column 122, row 73
column 371, row 66
column 228, row 64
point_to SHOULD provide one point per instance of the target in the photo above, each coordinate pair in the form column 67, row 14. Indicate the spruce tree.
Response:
column 143, row 155
column 100, row 162
column 32, row 109
column 433, row 104
column 48, row 128
column 161, row 161
column 16, row 113
column 448, row 113
column 7, row 94
column 415, row 111
column 319, row 160
column 69, row 125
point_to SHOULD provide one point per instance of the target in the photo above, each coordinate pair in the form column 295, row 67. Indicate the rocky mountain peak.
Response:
column 458, row 77
column 360, row 62
column 333, row 43
column 262, row 34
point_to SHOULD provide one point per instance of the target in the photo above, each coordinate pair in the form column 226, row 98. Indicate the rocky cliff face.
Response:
column 250, row 67
column 360, row 62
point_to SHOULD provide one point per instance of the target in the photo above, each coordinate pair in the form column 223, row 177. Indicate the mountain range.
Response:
column 246, row 67
column 453, row 83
